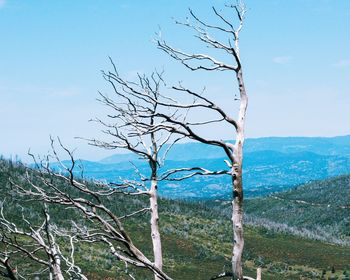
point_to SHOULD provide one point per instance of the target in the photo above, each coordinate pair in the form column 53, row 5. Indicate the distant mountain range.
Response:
column 339, row 145
column 270, row 164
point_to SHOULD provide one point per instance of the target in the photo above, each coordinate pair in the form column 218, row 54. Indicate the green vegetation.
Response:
column 197, row 238
column 318, row 210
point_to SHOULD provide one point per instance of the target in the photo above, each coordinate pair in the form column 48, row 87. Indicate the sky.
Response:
column 295, row 55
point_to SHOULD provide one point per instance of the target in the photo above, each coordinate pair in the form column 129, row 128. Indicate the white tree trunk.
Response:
column 237, row 201
column 258, row 274
column 57, row 273
column 56, row 266
column 156, row 241
column 237, row 224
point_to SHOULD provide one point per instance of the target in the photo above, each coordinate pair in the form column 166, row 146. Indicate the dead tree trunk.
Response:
column 57, row 273
column 153, row 197
column 156, row 240
column 237, row 180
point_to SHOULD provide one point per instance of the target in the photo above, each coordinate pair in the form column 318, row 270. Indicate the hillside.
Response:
column 196, row 241
column 319, row 209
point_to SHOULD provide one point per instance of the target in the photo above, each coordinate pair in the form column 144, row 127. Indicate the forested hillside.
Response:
column 319, row 209
column 196, row 237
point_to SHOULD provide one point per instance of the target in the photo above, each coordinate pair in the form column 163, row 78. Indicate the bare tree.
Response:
column 91, row 201
column 38, row 244
column 135, row 108
column 199, row 61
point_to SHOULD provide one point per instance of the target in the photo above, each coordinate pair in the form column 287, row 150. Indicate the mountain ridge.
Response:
column 320, row 145
column 270, row 164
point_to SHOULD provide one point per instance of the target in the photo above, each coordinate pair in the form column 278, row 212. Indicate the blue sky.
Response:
column 295, row 56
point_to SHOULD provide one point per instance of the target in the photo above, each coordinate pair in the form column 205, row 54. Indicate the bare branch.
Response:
column 33, row 241
column 167, row 176
column 46, row 185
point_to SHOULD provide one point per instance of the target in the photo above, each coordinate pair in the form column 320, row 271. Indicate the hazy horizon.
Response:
column 28, row 160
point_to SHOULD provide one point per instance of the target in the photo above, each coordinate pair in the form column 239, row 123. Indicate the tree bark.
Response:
column 56, row 266
column 156, row 241
column 258, row 274
column 237, row 182
column 57, row 273
column 54, row 257
column 237, row 223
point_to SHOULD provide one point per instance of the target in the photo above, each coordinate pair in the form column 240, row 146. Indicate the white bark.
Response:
column 57, row 272
column 258, row 274
column 156, row 240
column 237, row 180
